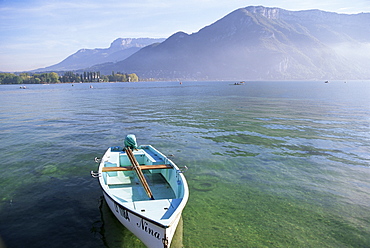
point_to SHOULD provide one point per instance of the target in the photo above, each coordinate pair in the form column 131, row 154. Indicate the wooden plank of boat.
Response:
column 139, row 173
column 142, row 167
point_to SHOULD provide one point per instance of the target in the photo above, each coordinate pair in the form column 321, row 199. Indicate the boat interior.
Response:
column 125, row 185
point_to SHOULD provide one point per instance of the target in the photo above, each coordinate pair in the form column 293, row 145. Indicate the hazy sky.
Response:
column 39, row 33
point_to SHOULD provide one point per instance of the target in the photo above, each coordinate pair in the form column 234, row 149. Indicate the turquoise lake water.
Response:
column 271, row 164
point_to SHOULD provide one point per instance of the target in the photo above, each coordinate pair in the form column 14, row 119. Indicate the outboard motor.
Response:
column 130, row 141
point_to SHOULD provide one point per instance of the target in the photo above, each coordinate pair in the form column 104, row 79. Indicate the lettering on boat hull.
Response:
column 123, row 212
column 149, row 233
column 143, row 225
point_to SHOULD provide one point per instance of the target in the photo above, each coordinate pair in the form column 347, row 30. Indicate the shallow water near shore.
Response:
column 271, row 164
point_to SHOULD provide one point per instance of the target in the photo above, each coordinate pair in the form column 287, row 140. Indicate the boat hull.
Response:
column 136, row 215
column 150, row 233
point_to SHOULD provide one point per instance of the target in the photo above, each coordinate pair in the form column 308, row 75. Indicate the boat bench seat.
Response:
column 157, row 209
column 109, row 164
column 119, row 179
column 148, row 157
column 153, row 209
column 153, row 157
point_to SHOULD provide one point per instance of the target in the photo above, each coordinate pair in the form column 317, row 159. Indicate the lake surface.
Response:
column 271, row 164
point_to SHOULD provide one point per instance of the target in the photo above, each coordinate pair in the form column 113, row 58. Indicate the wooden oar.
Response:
column 142, row 167
column 139, row 173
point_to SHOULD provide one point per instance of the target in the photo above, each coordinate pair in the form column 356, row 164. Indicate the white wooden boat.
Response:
column 145, row 190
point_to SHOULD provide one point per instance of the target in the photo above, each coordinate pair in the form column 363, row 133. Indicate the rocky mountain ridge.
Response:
column 119, row 49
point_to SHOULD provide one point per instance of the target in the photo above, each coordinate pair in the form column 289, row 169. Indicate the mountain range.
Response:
column 253, row 43
column 119, row 49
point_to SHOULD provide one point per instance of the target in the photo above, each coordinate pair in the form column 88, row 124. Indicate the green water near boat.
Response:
column 271, row 164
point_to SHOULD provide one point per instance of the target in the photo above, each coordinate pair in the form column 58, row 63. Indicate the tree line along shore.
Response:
column 67, row 77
